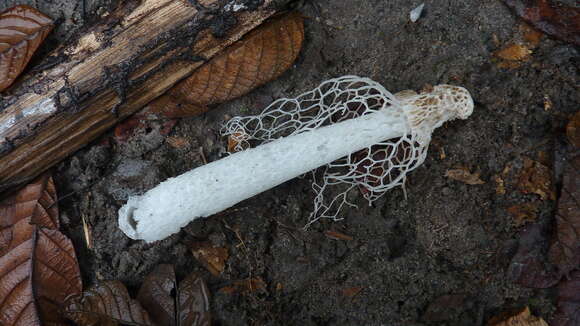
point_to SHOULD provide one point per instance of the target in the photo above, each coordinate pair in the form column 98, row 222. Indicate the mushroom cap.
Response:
column 456, row 100
column 430, row 109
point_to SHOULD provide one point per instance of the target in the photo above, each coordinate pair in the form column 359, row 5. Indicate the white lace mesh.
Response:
column 373, row 170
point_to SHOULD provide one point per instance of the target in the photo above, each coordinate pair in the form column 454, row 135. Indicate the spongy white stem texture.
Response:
column 219, row 185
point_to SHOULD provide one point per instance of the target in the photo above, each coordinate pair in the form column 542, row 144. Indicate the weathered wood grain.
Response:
column 118, row 66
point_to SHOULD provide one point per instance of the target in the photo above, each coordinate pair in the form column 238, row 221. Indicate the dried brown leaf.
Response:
column 22, row 29
column 531, row 35
column 522, row 317
column 128, row 128
column 140, row 125
column 568, row 312
column 509, row 64
column 38, row 284
column 514, row 52
column 464, row 176
column 573, row 130
column 260, row 56
column 106, row 303
column 337, row 235
column 169, row 304
column 212, row 258
column 155, row 295
column 244, row 286
column 352, row 291
column 177, row 142
column 528, row 266
column 35, row 203
column 38, row 266
column 524, row 213
column 193, row 302
column 551, row 17
column 5, row 238
column 500, row 185
column 565, row 251
column 536, row 178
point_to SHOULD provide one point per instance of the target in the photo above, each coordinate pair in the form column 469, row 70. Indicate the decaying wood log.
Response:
column 108, row 73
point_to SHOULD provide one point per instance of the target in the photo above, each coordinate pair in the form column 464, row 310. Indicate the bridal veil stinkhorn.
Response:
column 362, row 135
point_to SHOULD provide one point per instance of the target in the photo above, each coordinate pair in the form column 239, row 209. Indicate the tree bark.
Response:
column 108, row 73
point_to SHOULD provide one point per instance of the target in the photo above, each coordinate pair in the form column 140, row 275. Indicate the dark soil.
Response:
column 448, row 244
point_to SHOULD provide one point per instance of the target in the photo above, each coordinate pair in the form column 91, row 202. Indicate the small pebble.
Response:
column 415, row 14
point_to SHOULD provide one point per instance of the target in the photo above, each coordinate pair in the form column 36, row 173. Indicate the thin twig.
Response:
column 202, row 155
column 87, row 232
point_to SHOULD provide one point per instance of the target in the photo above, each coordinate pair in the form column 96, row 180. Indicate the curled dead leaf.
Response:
column 514, row 52
column 38, row 266
column 193, row 302
column 37, row 276
column 106, row 303
column 565, row 251
column 568, row 312
column 260, row 56
column 551, row 17
column 528, row 266
column 155, row 295
column 464, row 176
column 522, row 317
column 22, row 29
column 212, row 258
column 36, row 202
column 512, row 56
column 536, row 178
column 519, row 50
column 171, row 304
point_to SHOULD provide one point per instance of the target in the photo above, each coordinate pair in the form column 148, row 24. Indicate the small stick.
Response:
column 87, row 233
column 202, row 155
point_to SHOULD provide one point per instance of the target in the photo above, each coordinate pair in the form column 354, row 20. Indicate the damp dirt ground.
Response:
column 447, row 244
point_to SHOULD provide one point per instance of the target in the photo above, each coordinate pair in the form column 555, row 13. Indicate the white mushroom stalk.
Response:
column 360, row 133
